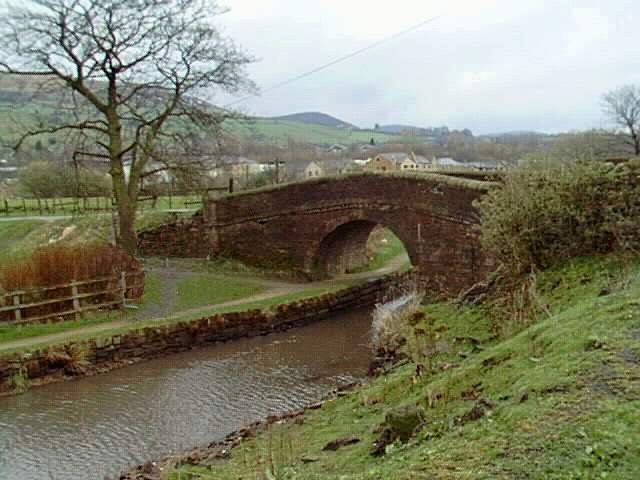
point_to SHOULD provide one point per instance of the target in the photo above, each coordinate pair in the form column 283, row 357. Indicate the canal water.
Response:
column 96, row 427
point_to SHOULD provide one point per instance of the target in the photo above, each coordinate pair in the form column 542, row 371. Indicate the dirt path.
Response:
column 164, row 309
column 170, row 277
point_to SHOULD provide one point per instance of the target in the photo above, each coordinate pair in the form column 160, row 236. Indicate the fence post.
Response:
column 16, row 302
column 76, row 301
column 123, row 286
column 6, row 207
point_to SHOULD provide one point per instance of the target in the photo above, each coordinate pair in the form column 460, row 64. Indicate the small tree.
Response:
column 622, row 106
column 132, row 71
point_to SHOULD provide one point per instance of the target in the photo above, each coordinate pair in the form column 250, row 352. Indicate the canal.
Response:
column 96, row 427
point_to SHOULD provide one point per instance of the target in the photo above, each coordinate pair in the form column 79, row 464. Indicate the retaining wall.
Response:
column 98, row 355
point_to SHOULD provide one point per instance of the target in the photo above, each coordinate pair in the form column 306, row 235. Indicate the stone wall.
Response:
column 186, row 238
column 98, row 355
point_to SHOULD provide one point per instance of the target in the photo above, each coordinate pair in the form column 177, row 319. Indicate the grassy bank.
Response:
column 554, row 396
column 9, row 333
column 18, row 207
column 19, row 238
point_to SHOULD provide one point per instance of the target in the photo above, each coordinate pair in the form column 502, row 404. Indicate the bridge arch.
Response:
column 344, row 248
column 304, row 227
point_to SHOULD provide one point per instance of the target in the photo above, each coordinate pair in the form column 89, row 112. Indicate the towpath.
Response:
column 164, row 309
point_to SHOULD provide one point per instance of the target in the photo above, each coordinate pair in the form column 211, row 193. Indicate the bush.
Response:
column 545, row 213
column 48, row 180
column 59, row 264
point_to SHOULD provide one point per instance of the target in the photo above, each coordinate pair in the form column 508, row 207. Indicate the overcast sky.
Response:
column 487, row 65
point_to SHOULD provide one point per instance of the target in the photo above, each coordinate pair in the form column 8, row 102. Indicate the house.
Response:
column 302, row 170
column 423, row 163
column 340, row 166
column 337, row 148
column 386, row 162
column 408, row 164
column 244, row 167
column 313, row 170
column 446, row 163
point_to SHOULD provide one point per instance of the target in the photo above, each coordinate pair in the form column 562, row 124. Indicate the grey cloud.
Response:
column 544, row 69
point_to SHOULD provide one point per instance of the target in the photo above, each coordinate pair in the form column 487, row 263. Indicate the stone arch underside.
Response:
column 344, row 249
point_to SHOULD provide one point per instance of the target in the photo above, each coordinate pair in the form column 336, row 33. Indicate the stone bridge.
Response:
column 320, row 227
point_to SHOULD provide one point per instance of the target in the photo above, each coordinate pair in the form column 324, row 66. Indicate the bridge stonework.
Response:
column 320, row 227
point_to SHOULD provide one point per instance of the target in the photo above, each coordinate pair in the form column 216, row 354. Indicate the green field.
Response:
column 204, row 289
column 264, row 130
column 280, row 131
column 19, row 238
column 18, row 207
column 558, row 398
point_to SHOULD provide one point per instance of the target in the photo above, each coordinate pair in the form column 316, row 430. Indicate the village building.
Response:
column 386, row 162
column 337, row 148
column 313, row 170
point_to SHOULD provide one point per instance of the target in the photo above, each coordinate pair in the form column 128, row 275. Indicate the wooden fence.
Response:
column 71, row 300
column 89, row 205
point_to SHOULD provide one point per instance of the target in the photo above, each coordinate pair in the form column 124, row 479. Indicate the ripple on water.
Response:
column 98, row 426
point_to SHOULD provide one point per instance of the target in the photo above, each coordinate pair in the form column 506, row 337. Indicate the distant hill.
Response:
column 517, row 133
column 316, row 118
column 395, row 129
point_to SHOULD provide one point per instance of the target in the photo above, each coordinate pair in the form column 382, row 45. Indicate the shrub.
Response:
column 545, row 213
column 60, row 264
column 48, row 180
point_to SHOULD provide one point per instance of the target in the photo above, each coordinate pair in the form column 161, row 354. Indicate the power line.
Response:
column 338, row 60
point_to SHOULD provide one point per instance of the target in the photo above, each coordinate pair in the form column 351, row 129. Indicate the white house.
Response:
column 313, row 170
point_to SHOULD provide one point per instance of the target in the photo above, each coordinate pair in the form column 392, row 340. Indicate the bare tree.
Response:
column 622, row 106
column 134, row 71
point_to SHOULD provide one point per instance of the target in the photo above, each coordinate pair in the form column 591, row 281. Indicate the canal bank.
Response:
column 19, row 370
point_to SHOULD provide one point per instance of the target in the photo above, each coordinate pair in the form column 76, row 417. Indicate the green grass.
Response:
column 387, row 251
column 203, row 289
column 280, row 131
column 13, row 234
column 566, row 391
column 290, row 297
column 90, row 206
column 261, row 129
column 20, row 238
column 151, row 293
column 9, row 332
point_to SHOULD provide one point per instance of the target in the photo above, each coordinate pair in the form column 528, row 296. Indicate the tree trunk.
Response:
column 126, row 199
column 128, row 238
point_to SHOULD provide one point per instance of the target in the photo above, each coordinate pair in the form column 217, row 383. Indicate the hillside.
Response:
column 23, row 108
column 557, row 399
column 395, row 129
column 315, row 118
column 280, row 131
